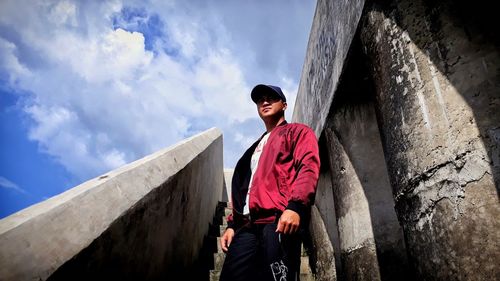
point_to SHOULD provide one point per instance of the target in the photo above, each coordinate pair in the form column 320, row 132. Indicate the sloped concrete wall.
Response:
column 142, row 221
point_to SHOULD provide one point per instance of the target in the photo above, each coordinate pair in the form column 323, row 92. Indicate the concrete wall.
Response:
column 324, row 256
column 437, row 72
column 359, row 174
column 326, row 209
column 357, row 243
column 142, row 221
column 365, row 207
column 333, row 28
column 226, row 191
column 368, row 238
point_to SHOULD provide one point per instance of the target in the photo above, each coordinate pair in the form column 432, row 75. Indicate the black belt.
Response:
column 276, row 215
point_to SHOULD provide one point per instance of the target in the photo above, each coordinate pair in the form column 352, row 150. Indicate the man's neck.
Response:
column 273, row 123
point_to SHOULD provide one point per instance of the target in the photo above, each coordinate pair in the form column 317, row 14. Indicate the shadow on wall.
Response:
column 326, row 207
column 360, row 177
column 480, row 84
column 436, row 67
column 457, row 55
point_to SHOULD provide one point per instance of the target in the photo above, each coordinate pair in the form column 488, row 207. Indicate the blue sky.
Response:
column 88, row 86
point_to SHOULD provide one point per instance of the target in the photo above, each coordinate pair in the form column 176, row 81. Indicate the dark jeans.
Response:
column 259, row 253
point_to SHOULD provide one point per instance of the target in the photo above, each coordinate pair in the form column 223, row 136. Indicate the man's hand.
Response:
column 289, row 222
column 226, row 239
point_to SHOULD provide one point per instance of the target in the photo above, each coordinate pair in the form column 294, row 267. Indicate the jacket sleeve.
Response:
column 235, row 221
column 306, row 164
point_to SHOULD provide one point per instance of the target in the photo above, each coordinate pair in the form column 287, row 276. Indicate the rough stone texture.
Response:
column 437, row 73
column 354, row 121
column 220, row 256
column 324, row 258
column 127, row 224
column 360, row 263
column 333, row 28
column 356, row 126
column 353, row 214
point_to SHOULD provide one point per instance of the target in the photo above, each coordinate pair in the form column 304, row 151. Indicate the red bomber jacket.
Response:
column 285, row 178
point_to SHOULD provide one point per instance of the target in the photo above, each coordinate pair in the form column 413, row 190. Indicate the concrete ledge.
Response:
column 130, row 222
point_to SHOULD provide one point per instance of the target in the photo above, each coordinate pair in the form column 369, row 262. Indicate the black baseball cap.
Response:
column 262, row 89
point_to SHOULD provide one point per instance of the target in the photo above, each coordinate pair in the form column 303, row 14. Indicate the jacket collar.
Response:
column 279, row 125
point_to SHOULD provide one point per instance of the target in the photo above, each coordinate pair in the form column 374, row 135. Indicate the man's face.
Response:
column 270, row 106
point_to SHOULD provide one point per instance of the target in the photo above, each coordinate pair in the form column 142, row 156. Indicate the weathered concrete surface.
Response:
column 324, row 257
column 226, row 191
column 361, row 263
column 333, row 28
column 326, row 207
column 358, row 132
column 128, row 224
column 438, row 81
column 353, row 215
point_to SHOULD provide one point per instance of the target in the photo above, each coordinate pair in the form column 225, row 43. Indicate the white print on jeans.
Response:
column 279, row 270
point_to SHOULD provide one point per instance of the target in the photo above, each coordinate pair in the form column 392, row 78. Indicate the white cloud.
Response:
column 5, row 183
column 63, row 12
column 101, row 97
column 112, row 56
column 9, row 64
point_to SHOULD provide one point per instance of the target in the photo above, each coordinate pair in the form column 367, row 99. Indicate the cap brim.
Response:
column 262, row 89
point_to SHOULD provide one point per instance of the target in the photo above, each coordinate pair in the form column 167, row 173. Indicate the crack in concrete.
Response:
column 367, row 243
column 413, row 183
column 447, row 180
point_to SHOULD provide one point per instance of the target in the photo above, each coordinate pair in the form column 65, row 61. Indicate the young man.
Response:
column 273, row 186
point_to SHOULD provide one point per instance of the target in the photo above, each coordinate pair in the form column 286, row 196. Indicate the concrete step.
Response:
column 222, row 229
column 219, row 256
column 227, row 211
column 219, row 260
column 304, row 277
column 219, row 249
column 214, row 275
column 305, row 270
column 304, row 265
column 303, row 252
